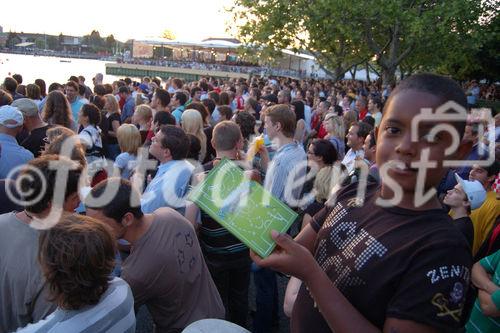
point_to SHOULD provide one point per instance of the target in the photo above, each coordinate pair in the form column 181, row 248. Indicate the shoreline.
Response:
column 56, row 54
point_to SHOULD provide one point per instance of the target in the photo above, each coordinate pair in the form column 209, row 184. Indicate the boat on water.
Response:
column 64, row 60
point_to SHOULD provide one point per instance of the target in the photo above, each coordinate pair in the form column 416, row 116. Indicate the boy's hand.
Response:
column 487, row 305
column 288, row 257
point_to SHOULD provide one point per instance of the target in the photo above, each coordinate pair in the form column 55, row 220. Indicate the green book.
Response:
column 242, row 206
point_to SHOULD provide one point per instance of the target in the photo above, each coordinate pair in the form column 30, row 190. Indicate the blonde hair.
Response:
column 111, row 104
column 192, row 123
column 322, row 183
column 338, row 126
column 144, row 111
column 129, row 138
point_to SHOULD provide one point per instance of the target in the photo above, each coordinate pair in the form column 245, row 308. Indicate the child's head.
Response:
column 394, row 141
column 466, row 194
column 129, row 138
column 143, row 114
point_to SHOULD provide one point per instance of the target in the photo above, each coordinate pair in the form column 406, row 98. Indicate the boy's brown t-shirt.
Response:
column 389, row 262
column 167, row 272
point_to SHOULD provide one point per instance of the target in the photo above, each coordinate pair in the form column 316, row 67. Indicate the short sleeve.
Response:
column 121, row 161
column 85, row 138
column 490, row 262
column 319, row 218
column 435, row 289
column 140, row 291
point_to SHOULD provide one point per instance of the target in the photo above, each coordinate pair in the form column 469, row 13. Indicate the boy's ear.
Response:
column 466, row 203
column 127, row 220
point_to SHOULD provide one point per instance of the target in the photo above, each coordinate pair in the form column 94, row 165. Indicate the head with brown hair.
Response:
column 57, row 110
column 77, row 256
column 55, row 146
column 33, row 91
column 281, row 114
column 226, row 136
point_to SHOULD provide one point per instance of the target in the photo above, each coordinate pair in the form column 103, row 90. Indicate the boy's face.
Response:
column 455, row 197
column 394, row 140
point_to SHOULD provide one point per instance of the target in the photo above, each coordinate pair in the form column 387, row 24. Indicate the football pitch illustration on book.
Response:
column 242, row 206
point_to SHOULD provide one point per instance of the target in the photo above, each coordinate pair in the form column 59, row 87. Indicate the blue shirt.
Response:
column 128, row 109
column 286, row 167
column 168, row 187
column 178, row 114
column 11, row 155
column 75, row 108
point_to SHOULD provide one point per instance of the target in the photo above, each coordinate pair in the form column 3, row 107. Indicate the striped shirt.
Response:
column 113, row 313
column 478, row 322
column 287, row 166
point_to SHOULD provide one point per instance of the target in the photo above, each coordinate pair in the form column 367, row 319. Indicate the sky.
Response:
column 191, row 20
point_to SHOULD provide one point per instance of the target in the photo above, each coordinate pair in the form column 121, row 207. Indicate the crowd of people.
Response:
column 224, row 66
column 382, row 242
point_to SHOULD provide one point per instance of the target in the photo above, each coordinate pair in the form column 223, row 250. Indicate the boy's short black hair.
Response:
column 181, row 97
column 163, row 96
column 442, row 87
column 164, row 118
column 120, row 204
column 176, row 140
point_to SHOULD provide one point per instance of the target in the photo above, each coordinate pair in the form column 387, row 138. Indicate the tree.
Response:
column 341, row 33
column 269, row 26
column 52, row 43
column 12, row 39
column 95, row 39
column 110, row 43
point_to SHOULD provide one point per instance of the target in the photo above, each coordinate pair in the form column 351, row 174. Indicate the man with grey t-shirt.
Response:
column 165, row 269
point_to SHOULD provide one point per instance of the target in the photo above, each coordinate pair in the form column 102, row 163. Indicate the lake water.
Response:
column 51, row 69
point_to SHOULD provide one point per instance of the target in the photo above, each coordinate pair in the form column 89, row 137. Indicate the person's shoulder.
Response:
column 122, row 158
column 170, row 215
column 28, row 155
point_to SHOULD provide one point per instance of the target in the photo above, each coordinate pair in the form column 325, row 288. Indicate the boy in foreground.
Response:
column 385, row 263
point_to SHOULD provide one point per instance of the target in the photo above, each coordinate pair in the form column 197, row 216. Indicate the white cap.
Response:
column 214, row 325
column 476, row 194
column 10, row 116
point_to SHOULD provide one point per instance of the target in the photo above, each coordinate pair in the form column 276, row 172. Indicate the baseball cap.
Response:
column 10, row 116
column 144, row 87
column 27, row 106
column 476, row 194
